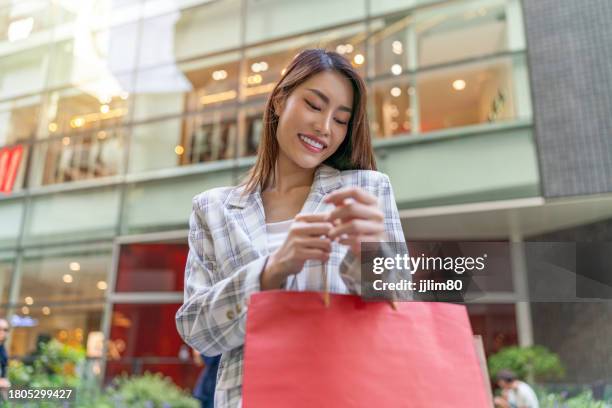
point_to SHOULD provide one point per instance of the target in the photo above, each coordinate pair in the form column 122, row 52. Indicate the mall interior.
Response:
column 115, row 113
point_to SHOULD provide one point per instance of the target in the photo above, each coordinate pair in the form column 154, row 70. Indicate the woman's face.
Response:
column 313, row 121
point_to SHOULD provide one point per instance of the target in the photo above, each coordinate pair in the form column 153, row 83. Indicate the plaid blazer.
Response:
column 228, row 250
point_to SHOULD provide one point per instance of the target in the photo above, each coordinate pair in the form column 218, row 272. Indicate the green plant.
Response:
column 55, row 366
column 148, row 391
column 61, row 366
column 582, row 400
column 535, row 363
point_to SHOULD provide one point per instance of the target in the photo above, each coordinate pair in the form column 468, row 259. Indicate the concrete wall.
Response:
column 569, row 45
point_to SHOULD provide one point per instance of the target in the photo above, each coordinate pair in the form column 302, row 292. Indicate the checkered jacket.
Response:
column 228, row 250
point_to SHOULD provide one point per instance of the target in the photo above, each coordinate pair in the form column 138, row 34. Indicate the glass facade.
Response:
column 112, row 118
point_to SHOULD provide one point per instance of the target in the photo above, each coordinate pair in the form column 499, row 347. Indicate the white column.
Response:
column 524, row 324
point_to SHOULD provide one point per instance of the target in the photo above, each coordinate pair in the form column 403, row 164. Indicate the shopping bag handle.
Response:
column 326, row 297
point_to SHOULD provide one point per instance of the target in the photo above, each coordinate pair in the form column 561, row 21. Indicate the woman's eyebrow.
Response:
column 326, row 99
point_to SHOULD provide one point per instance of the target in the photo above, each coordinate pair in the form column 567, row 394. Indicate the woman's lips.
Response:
column 309, row 146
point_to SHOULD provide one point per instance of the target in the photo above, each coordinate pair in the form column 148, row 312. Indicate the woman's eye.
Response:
column 341, row 122
column 312, row 105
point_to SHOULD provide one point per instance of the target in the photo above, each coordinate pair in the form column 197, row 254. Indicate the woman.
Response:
column 315, row 160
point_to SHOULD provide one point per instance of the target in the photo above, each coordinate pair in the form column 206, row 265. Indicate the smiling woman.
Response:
column 289, row 224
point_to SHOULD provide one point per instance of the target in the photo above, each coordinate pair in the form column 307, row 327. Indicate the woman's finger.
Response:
column 358, row 239
column 356, row 210
column 355, row 227
column 312, row 228
column 337, row 197
column 318, row 217
column 316, row 243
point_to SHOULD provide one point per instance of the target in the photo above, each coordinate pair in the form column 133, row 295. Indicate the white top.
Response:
column 523, row 396
column 277, row 233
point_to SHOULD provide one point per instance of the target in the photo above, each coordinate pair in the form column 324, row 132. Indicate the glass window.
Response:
column 103, row 57
column 387, row 6
column 144, row 337
column 73, row 216
column 266, row 64
column 187, row 87
column 61, row 296
column 254, row 130
column 496, row 323
column 11, row 213
column 89, row 106
column 23, row 72
column 152, row 267
column 460, row 30
column 469, row 94
column 19, row 119
column 197, row 138
column 391, row 110
column 269, row 19
column 75, row 325
column 172, row 198
column 192, row 32
column 84, row 156
column 6, row 274
column 393, row 44
column 13, row 165
column 23, row 20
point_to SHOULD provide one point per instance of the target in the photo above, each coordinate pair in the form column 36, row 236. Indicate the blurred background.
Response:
column 491, row 117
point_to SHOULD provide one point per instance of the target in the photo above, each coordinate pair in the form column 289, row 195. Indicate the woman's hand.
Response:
column 307, row 239
column 356, row 218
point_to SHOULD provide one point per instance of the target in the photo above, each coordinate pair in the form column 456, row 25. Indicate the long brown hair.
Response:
column 355, row 152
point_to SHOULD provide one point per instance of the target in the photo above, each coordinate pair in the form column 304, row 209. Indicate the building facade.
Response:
column 114, row 114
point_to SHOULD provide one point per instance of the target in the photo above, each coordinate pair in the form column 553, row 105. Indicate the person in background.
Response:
column 515, row 393
column 204, row 389
column 4, row 382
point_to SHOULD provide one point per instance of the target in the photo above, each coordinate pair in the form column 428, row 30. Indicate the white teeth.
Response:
column 311, row 142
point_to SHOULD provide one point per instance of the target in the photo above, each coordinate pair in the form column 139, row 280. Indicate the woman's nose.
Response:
column 323, row 126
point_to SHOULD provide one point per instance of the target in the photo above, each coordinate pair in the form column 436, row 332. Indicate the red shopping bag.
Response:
column 299, row 353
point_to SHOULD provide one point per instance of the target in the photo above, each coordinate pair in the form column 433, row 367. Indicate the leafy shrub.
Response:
column 532, row 363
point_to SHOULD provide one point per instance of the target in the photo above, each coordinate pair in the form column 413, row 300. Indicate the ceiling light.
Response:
column 219, row 75
column 46, row 310
column 67, row 278
column 459, row 84
column 254, row 79
column 77, row 122
column 75, row 266
column 396, row 69
column 396, row 91
column 102, row 285
column 397, row 47
column 179, row 150
column 358, row 59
